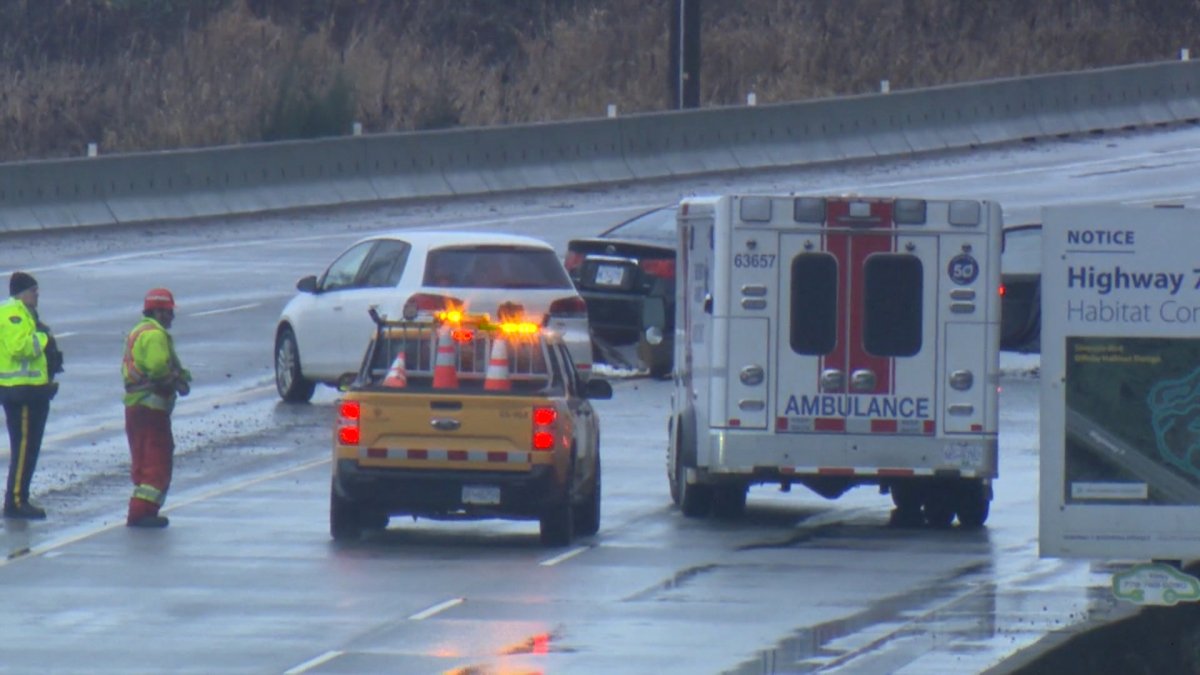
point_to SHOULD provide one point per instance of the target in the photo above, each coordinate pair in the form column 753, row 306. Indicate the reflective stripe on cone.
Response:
column 497, row 370
column 445, row 372
column 397, row 376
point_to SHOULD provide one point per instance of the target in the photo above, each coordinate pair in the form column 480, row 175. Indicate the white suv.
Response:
column 323, row 331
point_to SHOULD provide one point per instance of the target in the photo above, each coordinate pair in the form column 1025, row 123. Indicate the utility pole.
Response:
column 684, row 72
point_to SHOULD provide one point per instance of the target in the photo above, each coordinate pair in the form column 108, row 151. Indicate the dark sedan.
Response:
column 627, row 276
column 1021, row 289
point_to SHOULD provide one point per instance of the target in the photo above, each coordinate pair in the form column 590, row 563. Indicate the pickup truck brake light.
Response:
column 348, row 432
column 543, row 427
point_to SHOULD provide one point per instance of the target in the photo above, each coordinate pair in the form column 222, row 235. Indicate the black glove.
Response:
column 54, row 357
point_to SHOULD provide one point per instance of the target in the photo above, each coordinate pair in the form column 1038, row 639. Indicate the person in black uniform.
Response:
column 29, row 359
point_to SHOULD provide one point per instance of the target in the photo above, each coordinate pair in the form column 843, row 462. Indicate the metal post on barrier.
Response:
column 751, row 99
column 1185, row 54
column 885, row 86
column 612, row 110
column 92, row 150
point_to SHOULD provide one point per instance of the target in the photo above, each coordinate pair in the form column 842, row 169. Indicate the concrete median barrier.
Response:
column 434, row 164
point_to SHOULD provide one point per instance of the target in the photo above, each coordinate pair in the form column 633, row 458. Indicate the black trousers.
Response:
column 26, row 424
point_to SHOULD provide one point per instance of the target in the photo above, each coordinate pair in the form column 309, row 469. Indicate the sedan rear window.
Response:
column 495, row 267
column 657, row 225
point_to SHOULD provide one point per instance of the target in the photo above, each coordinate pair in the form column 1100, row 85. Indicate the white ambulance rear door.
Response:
column 858, row 339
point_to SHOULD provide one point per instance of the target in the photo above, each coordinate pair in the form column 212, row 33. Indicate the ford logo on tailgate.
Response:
column 445, row 424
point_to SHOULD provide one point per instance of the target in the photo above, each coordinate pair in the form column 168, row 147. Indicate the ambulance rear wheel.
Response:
column 973, row 504
column 673, row 457
column 345, row 522
column 908, row 498
column 940, row 501
column 694, row 500
column 729, row 500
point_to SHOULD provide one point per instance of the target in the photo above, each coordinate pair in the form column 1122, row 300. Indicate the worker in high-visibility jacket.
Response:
column 154, row 378
column 26, row 387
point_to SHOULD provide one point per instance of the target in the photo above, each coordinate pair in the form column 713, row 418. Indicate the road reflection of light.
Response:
column 485, row 669
column 537, row 644
column 446, row 652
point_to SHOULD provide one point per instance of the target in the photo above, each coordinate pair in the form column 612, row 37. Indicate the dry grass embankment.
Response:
column 250, row 70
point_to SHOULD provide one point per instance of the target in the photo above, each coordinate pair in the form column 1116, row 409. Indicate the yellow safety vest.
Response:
column 150, row 367
column 22, row 346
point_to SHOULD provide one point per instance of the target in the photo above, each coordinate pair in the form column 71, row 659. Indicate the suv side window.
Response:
column 385, row 265
column 343, row 272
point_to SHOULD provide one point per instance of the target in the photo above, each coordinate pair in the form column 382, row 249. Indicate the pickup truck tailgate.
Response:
column 459, row 432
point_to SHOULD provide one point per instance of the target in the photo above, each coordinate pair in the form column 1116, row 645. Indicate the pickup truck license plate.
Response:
column 610, row 275
column 480, row 494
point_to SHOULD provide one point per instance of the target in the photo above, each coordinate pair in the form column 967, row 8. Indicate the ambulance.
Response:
column 834, row 342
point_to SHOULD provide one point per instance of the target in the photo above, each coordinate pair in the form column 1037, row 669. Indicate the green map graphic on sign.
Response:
column 1175, row 416
column 1132, row 421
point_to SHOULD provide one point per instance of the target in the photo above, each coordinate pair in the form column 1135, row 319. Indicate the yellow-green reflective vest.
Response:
column 150, row 367
column 22, row 346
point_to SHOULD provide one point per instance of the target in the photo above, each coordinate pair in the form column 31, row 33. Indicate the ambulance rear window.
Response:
column 892, row 299
column 814, row 303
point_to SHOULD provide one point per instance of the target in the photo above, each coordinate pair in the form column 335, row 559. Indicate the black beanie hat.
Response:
column 20, row 282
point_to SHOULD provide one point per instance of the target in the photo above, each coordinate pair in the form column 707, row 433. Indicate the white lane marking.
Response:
column 1160, row 200
column 89, row 531
column 239, row 308
column 564, row 556
column 59, row 336
column 314, row 662
column 440, row 607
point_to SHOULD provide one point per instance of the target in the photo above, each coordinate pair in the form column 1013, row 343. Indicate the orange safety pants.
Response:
column 151, row 452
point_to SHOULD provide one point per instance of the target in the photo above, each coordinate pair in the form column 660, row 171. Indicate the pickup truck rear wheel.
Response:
column 289, row 379
column 345, row 522
column 587, row 516
column 557, row 524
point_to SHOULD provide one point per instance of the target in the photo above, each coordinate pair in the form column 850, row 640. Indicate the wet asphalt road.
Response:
column 246, row 579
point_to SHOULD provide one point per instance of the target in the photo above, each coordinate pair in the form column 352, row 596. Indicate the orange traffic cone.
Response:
column 445, row 372
column 396, row 375
column 497, row 370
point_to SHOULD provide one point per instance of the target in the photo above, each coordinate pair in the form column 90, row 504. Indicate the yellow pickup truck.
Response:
column 454, row 416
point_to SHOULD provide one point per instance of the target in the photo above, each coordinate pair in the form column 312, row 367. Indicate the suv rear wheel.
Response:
column 289, row 379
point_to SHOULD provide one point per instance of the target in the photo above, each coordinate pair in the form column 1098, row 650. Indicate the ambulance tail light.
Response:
column 962, row 380
column 544, row 418
column 568, row 308
column 663, row 268
column 348, row 431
